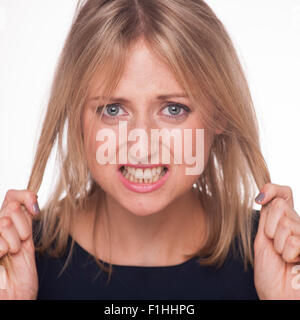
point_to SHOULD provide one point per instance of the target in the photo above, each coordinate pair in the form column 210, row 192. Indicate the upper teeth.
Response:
column 140, row 173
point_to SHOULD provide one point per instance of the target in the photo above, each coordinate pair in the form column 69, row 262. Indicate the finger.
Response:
column 260, row 235
column 9, row 233
column 25, row 197
column 285, row 228
column 270, row 190
column 20, row 218
column 3, row 247
column 275, row 210
column 291, row 250
column 3, row 278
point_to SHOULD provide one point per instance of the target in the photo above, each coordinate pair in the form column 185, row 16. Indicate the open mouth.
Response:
column 143, row 175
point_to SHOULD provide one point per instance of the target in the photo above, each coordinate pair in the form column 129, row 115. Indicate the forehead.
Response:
column 143, row 72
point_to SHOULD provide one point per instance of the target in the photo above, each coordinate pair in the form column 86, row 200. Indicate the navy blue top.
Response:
column 82, row 279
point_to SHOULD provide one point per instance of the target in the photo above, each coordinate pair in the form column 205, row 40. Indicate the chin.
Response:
column 140, row 207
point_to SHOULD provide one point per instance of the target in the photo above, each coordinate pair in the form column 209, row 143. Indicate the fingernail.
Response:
column 36, row 208
column 260, row 197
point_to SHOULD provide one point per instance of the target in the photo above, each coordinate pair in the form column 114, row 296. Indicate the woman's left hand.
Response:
column 277, row 245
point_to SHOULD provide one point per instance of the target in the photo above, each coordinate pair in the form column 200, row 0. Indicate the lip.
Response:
column 144, row 165
column 144, row 187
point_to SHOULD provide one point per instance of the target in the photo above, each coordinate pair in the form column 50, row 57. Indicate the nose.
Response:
column 139, row 139
column 141, row 120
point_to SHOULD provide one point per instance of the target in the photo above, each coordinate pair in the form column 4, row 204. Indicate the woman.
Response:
column 155, row 230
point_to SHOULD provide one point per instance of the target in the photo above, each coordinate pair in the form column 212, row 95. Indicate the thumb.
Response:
column 271, row 190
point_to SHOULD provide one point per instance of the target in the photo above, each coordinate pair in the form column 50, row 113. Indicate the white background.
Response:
column 266, row 34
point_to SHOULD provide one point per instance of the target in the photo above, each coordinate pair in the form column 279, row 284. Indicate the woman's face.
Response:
column 146, row 189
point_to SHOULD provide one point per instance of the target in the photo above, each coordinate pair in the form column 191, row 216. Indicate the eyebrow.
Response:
column 160, row 97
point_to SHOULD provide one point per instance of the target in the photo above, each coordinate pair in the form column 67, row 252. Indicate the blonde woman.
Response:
column 131, row 228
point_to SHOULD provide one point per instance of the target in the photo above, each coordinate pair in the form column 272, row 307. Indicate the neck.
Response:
column 162, row 238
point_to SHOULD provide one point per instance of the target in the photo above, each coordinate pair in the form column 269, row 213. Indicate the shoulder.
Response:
column 48, row 262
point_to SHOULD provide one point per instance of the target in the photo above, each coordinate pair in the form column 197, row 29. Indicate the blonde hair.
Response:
column 191, row 40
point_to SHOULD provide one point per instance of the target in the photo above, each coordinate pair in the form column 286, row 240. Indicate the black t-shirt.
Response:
column 82, row 279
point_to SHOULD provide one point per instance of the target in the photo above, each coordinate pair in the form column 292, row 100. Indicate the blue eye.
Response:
column 171, row 111
column 175, row 110
column 111, row 110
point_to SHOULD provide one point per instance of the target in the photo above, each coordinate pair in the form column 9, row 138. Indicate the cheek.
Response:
column 181, row 180
column 208, row 139
column 193, row 152
column 97, row 169
column 91, row 144
column 101, row 171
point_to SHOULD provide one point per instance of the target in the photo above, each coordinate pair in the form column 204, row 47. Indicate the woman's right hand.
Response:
column 20, row 279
